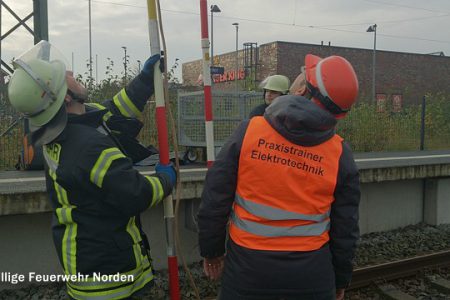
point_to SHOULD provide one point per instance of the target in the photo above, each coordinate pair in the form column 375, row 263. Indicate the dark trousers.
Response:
column 230, row 293
column 143, row 293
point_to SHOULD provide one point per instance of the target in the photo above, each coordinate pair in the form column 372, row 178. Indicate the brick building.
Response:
column 400, row 77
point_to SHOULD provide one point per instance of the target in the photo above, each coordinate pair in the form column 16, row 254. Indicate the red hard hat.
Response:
column 332, row 81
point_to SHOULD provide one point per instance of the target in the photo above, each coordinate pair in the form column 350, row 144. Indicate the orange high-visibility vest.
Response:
column 284, row 191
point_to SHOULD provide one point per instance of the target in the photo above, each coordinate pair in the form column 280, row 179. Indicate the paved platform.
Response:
column 397, row 189
column 373, row 166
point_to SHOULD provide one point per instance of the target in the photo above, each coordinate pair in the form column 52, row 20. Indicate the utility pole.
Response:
column 373, row 28
column 1, row 5
column 96, row 68
column 40, row 20
column 40, row 25
column 237, row 59
column 214, row 8
column 90, row 47
column 139, row 66
column 125, row 64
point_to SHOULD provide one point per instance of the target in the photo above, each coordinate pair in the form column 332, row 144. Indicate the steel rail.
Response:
column 399, row 269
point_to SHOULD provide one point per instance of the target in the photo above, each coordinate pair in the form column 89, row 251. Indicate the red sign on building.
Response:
column 229, row 76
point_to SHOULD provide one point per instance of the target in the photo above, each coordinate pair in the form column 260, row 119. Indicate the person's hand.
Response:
column 150, row 63
column 169, row 170
column 213, row 267
column 340, row 294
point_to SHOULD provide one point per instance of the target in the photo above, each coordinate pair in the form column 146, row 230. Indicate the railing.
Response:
column 364, row 128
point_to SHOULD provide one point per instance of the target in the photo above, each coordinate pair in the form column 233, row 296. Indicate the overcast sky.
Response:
column 403, row 25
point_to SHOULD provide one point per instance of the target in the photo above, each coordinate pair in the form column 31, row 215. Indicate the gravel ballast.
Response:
column 373, row 248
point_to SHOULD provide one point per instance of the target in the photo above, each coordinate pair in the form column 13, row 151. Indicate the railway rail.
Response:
column 399, row 269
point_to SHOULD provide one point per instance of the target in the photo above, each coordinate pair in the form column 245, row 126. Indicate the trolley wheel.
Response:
column 191, row 155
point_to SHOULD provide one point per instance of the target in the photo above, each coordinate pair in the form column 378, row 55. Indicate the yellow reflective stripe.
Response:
column 103, row 163
column 64, row 253
column 52, row 164
column 96, row 105
column 136, row 236
column 117, row 293
column 61, row 193
column 133, row 230
column 69, row 244
column 59, row 216
column 91, row 284
column 69, row 248
column 106, row 116
column 64, row 213
column 73, row 229
column 137, row 254
column 51, row 154
column 125, row 105
column 158, row 192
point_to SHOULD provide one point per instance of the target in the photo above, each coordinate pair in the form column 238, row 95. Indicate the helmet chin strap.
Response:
column 77, row 97
column 325, row 100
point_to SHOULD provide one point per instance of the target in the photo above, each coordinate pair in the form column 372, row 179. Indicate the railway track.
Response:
column 399, row 269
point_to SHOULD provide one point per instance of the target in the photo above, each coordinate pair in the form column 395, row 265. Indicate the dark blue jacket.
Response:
column 301, row 122
column 97, row 197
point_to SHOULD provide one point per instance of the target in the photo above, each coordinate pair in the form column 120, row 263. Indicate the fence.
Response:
column 367, row 130
column 229, row 109
column 11, row 133
column 364, row 128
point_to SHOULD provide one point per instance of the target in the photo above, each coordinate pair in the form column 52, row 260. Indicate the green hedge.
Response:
column 368, row 130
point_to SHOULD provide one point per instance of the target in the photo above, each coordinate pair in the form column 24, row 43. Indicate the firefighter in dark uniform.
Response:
column 286, row 187
column 274, row 86
column 95, row 193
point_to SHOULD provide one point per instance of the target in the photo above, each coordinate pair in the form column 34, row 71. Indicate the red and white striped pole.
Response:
column 163, row 141
column 209, row 125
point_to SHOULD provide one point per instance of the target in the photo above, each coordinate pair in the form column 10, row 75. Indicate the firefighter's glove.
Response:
column 149, row 65
column 167, row 170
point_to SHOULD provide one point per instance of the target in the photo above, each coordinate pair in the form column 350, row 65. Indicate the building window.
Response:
column 381, row 102
column 397, row 102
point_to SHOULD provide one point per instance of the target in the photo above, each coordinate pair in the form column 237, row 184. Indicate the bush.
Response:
column 367, row 130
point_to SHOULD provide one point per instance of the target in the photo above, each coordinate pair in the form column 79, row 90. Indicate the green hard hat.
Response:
column 27, row 95
column 279, row 83
column 37, row 89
